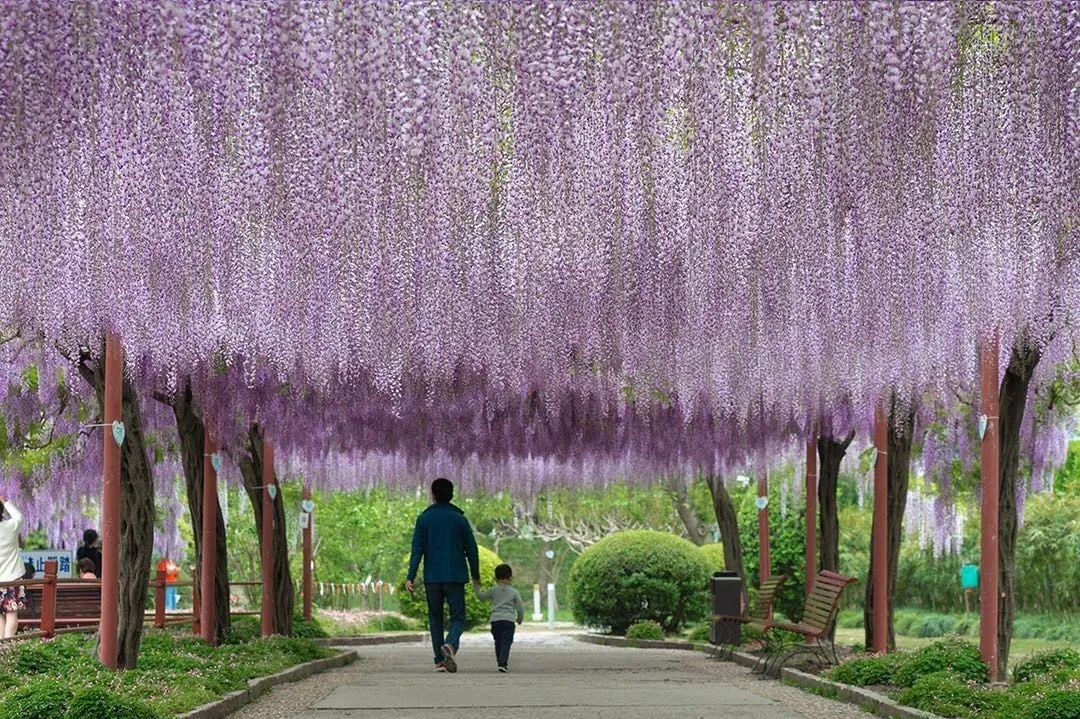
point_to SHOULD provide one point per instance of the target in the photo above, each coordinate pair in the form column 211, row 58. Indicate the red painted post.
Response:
column 988, row 547
column 48, row 600
column 764, row 563
column 880, row 540
column 811, row 514
column 159, row 599
column 110, row 503
column 267, row 542
column 307, row 557
column 208, row 568
column 196, row 608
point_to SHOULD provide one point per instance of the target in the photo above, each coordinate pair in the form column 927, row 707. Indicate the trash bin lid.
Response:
column 725, row 574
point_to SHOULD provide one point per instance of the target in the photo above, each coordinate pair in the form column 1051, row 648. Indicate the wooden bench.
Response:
column 759, row 616
column 78, row 603
column 819, row 614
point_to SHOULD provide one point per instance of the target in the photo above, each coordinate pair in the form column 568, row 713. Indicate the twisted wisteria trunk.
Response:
column 830, row 453
column 727, row 519
column 137, row 513
column 901, row 433
column 249, row 460
column 189, row 427
column 696, row 531
column 1013, row 399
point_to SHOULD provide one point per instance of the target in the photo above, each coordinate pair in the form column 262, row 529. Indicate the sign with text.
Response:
column 65, row 561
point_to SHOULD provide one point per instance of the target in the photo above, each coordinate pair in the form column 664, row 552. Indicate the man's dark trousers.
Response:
column 504, row 639
column 454, row 596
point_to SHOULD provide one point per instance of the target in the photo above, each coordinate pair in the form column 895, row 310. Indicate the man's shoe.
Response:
column 448, row 658
column 440, row 668
column 504, row 670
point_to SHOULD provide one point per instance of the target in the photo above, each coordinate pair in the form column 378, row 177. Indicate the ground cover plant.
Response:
column 948, row 678
column 61, row 679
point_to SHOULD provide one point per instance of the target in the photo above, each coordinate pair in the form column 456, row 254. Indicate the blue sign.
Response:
column 65, row 561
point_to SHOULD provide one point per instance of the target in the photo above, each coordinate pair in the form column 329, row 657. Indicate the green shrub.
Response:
column 636, row 576
column 852, row 619
column 868, row 671
column 476, row 612
column 714, row 555
column 306, row 629
column 38, row 699
column 1043, row 664
column 951, row 654
column 96, row 702
column 700, row 633
column 1055, row 704
column 645, row 630
column 394, row 623
column 948, row 695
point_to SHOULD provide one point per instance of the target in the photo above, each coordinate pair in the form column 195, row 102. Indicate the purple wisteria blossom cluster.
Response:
column 555, row 239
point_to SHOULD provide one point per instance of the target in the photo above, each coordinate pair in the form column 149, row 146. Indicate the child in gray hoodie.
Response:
column 506, row 608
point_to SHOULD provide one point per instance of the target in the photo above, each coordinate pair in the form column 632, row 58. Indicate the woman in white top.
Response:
column 12, row 599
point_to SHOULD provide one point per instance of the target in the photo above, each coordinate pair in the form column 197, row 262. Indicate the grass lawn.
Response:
column 1021, row 648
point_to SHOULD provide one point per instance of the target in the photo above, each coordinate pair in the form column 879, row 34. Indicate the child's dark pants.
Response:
column 504, row 637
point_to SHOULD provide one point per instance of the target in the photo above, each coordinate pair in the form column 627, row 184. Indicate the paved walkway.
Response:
column 554, row 675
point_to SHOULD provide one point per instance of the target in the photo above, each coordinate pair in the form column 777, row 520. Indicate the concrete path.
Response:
column 554, row 675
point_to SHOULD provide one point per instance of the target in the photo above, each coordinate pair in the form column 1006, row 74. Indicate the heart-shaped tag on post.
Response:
column 272, row 490
column 118, row 432
column 215, row 461
column 983, row 422
column 308, row 506
column 761, row 503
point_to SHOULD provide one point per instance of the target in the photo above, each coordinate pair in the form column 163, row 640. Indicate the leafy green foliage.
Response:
column 948, row 695
column 645, row 630
column 699, row 633
column 952, row 654
column 43, row 698
column 636, row 576
column 868, row 671
column 1055, row 704
column 714, row 555
column 97, row 702
column 476, row 612
column 1041, row 665
column 787, row 542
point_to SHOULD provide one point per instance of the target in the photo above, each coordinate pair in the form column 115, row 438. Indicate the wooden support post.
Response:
column 811, row 514
column 208, row 567
column 308, row 568
column 48, row 600
column 880, row 534
column 159, row 599
column 110, row 503
column 991, row 490
column 267, row 542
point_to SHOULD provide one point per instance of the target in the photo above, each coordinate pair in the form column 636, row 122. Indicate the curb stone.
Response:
column 372, row 640
column 876, row 703
column 257, row 687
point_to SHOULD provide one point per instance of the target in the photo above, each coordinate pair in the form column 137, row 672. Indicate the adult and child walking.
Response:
column 443, row 540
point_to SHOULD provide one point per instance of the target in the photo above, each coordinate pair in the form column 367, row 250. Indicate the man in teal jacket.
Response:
column 444, row 540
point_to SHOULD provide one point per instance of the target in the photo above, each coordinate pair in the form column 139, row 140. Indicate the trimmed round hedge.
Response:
column 476, row 612
column 639, row 576
column 714, row 555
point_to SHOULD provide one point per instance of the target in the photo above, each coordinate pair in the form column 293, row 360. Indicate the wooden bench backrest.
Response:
column 761, row 609
column 824, row 600
column 73, row 600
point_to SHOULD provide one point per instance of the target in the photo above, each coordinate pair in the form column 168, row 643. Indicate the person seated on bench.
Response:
column 87, row 570
column 12, row 599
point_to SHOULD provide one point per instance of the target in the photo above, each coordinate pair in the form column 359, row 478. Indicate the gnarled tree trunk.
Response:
column 727, row 519
column 189, row 427
column 250, row 462
column 696, row 530
column 1013, row 399
column 830, row 453
column 137, row 512
column 901, row 430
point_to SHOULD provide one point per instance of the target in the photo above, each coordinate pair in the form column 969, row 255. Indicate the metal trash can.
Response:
column 726, row 591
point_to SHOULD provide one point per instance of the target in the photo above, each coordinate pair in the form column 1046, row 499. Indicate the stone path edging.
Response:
column 257, row 687
column 878, row 704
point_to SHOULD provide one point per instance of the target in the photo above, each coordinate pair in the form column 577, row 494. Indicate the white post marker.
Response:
column 551, row 606
column 537, row 615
